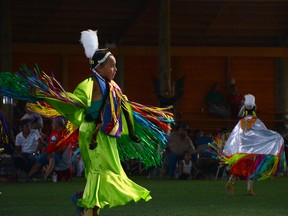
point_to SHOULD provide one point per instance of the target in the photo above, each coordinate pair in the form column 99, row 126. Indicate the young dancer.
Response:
column 252, row 151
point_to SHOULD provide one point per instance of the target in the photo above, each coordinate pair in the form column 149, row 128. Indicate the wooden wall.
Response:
column 138, row 78
column 255, row 75
column 51, row 63
column 252, row 75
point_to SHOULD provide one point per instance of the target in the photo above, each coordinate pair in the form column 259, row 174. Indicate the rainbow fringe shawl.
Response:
column 264, row 166
column 33, row 86
column 151, row 124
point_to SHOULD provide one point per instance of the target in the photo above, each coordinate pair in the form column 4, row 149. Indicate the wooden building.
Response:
column 206, row 41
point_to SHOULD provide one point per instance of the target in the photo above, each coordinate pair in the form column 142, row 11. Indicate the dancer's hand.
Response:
column 93, row 145
column 135, row 138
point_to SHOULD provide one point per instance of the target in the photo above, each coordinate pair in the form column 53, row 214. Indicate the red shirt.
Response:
column 54, row 138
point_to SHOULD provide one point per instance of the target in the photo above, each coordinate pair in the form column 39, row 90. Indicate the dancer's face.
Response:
column 108, row 69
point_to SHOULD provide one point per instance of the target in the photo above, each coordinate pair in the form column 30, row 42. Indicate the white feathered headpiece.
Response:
column 96, row 56
column 89, row 40
column 249, row 101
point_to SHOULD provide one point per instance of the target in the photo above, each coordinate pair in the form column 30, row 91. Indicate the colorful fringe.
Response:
column 161, row 117
column 45, row 110
column 259, row 167
column 149, row 150
column 151, row 124
column 217, row 145
column 15, row 86
column 250, row 166
column 33, row 86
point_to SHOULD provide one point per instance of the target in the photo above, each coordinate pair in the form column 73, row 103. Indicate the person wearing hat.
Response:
column 252, row 151
column 35, row 119
column 178, row 143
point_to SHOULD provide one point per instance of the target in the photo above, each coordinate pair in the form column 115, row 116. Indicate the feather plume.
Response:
column 89, row 40
column 249, row 101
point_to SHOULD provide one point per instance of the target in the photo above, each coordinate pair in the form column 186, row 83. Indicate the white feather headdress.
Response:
column 89, row 40
column 249, row 101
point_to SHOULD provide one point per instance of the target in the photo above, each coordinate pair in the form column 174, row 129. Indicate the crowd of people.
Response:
column 39, row 152
column 221, row 105
column 36, row 153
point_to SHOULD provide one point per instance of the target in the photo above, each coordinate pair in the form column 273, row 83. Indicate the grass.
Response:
column 170, row 198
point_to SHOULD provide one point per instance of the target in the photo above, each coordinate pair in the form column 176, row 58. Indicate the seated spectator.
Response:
column 27, row 145
column 63, row 167
column 235, row 100
column 200, row 139
column 35, row 119
column 78, row 165
column 202, row 150
column 196, row 134
column 187, row 169
column 216, row 102
column 178, row 143
column 52, row 154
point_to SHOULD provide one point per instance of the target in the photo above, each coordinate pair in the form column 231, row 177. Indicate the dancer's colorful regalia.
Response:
column 216, row 146
column 252, row 151
column 110, row 129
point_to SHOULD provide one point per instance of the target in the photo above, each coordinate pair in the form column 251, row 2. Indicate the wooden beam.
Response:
column 270, row 52
column 232, row 1
column 230, row 52
column 164, row 48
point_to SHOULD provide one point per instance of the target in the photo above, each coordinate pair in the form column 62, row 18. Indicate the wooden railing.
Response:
column 210, row 124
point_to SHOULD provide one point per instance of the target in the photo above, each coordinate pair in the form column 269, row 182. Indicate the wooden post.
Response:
column 164, row 48
column 5, row 42
column 5, row 56
column 282, row 87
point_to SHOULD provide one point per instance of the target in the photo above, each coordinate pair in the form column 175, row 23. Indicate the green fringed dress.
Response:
column 107, row 183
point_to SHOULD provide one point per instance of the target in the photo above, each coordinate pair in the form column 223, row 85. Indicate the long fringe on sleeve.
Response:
column 152, row 126
column 32, row 86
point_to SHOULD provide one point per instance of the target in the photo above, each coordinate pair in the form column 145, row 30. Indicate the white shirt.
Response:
column 29, row 144
column 187, row 167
